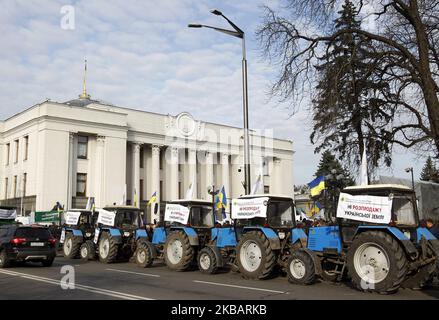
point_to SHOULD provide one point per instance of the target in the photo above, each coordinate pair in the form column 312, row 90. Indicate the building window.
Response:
column 180, row 191
column 265, row 167
column 16, row 142
column 8, row 153
column 81, row 184
column 24, row 184
column 266, row 189
column 6, row 187
column 142, row 157
column 15, row 186
column 142, row 197
column 161, row 189
column 82, row 147
column 26, row 147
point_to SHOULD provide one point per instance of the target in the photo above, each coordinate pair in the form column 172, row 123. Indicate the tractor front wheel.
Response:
column 376, row 262
column 108, row 248
column 178, row 252
column 87, row 250
column 207, row 262
column 144, row 254
column 256, row 259
column 300, row 268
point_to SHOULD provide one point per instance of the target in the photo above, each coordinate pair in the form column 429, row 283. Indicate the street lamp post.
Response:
column 237, row 32
column 410, row 169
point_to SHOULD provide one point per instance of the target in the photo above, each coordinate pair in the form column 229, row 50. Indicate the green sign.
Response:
column 47, row 216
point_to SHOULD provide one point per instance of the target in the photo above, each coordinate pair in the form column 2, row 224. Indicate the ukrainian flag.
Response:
column 317, row 185
column 221, row 201
column 153, row 198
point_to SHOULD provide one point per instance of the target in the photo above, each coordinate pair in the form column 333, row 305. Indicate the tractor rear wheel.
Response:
column 87, row 250
column 71, row 246
column 144, row 255
column 376, row 262
column 108, row 248
column 207, row 262
column 300, row 268
column 256, row 259
column 178, row 252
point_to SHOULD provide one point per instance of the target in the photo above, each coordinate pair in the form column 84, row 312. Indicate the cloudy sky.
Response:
column 142, row 55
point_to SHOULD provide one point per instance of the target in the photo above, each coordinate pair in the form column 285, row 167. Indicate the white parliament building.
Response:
column 71, row 151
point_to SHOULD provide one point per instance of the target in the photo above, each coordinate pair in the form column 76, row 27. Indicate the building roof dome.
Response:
column 81, row 102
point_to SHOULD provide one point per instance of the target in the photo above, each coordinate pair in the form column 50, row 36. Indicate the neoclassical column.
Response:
column 173, row 187
column 225, row 169
column 100, row 169
column 155, row 180
column 135, row 174
column 276, row 177
column 71, row 173
column 192, row 164
column 209, row 174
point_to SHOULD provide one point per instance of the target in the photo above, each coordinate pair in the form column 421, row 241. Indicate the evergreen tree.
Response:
column 336, row 178
column 347, row 111
column 329, row 165
column 430, row 172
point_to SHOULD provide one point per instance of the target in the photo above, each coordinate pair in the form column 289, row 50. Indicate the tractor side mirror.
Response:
column 156, row 208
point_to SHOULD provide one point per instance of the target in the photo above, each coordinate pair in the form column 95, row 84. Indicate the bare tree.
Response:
column 406, row 42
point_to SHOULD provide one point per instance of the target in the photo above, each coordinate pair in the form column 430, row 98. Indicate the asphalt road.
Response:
column 126, row 281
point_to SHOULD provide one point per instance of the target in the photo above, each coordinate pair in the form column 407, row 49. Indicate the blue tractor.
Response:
column 378, row 257
column 77, row 234
column 120, row 230
column 188, row 235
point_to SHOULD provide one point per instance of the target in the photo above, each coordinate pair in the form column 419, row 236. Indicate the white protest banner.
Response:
column 63, row 236
column 96, row 238
column 8, row 213
column 106, row 217
column 176, row 213
column 72, row 217
column 372, row 209
column 249, row 208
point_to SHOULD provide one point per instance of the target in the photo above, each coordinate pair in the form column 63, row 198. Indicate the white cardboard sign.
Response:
column 372, row 209
column 8, row 214
column 96, row 238
column 176, row 213
column 106, row 217
column 249, row 208
column 72, row 217
column 63, row 236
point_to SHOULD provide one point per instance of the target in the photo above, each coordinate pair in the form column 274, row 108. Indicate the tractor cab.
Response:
column 119, row 230
column 80, row 219
column 275, row 212
column 404, row 212
column 197, row 214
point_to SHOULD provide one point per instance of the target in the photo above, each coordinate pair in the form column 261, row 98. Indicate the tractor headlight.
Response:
column 126, row 234
column 407, row 234
column 281, row 235
column 88, row 234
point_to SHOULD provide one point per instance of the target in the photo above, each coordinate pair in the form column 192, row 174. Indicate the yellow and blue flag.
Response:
column 93, row 204
column 317, row 185
column 221, row 201
column 153, row 198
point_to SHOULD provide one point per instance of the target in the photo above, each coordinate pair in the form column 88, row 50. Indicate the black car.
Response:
column 26, row 243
